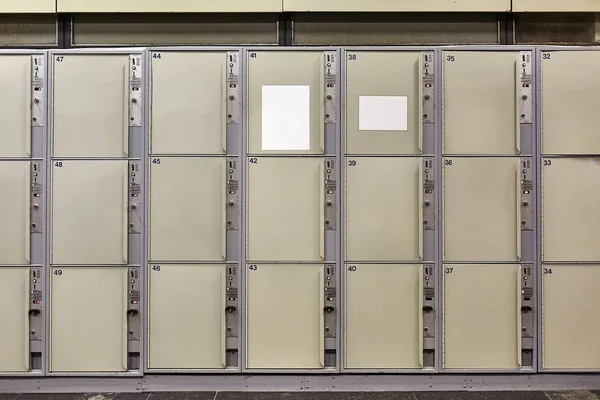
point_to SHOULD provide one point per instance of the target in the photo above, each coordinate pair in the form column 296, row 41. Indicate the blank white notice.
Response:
column 286, row 117
column 382, row 113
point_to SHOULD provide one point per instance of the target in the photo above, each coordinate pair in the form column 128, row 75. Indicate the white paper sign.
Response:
column 382, row 113
column 286, row 117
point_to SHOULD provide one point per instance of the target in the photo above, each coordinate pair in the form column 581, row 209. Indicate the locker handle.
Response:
column 322, row 104
column 420, row 108
column 125, row 309
column 224, row 105
column 224, row 210
column 420, row 210
column 28, row 106
column 519, row 323
column 126, row 110
column 224, row 317
column 125, row 234
column 27, row 212
column 322, row 316
column 517, row 107
column 322, row 210
column 519, row 216
column 26, row 320
column 420, row 292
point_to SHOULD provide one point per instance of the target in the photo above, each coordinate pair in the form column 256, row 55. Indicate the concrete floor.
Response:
column 580, row 395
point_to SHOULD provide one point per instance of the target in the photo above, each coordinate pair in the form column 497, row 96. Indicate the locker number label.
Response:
column 352, row 268
column 60, row 58
column 58, row 164
column 447, row 162
column 547, row 271
column 351, row 57
column 58, row 272
column 449, row 270
column 352, row 163
column 450, row 58
column 252, row 55
column 156, row 268
column 546, row 56
column 157, row 55
column 254, row 160
column 156, row 161
column 252, row 267
column 547, row 162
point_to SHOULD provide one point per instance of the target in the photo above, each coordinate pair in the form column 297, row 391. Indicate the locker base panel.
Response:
column 305, row 383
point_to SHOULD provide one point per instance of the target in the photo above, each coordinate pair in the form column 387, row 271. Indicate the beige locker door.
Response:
column 284, row 316
column 88, row 320
column 570, row 316
column 188, row 109
column 15, row 105
column 285, row 209
column 570, row 117
column 383, row 316
column 89, row 212
column 482, row 316
column 90, row 105
column 382, row 209
column 481, row 221
column 189, row 224
column 14, row 314
column 14, row 212
column 570, row 213
column 186, row 327
column 383, row 102
column 285, row 102
column 479, row 102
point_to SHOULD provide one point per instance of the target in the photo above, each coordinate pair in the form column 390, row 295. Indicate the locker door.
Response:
column 285, row 209
column 14, row 314
column 187, row 207
column 480, row 209
column 15, row 106
column 482, row 316
column 382, row 209
column 89, row 212
column 188, row 103
column 187, row 316
column 382, row 108
column 571, row 316
column 88, row 326
column 570, row 213
column 285, row 102
column 284, row 316
column 480, row 115
column 14, row 212
column 570, row 106
column 90, row 108
column 382, row 316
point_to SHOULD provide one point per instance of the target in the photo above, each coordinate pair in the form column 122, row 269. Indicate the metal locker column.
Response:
column 88, row 323
column 14, row 313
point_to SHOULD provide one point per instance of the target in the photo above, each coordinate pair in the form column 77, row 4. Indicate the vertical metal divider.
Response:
column 341, row 225
column 243, row 157
column 438, row 160
column 47, row 360
column 145, row 143
column 537, row 160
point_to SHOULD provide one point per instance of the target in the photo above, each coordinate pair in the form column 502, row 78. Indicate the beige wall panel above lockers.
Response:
column 383, row 102
column 190, row 226
column 88, row 319
column 173, row 6
column 556, row 5
column 284, row 316
column 14, row 314
column 188, row 102
column 90, row 105
column 285, row 209
column 286, row 96
column 382, row 209
column 29, row 6
column 481, row 206
column 186, row 328
column 570, row 116
column 383, row 316
column 14, row 212
column 397, row 5
column 482, row 316
column 479, row 102
column 570, row 213
column 15, row 103
column 89, row 212
column 570, row 316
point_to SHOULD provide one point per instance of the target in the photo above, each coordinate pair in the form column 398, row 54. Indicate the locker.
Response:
column 88, row 323
column 14, row 212
column 284, row 316
column 90, row 107
column 292, row 84
column 15, row 103
column 383, row 316
column 570, row 214
column 89, row 212
column 187, row 208
column 482, row 316
column 14, row 314
column 394, row 93
column 186, row 316
column 481, row 203
column 285, row 209
column 479, row 102
column 571, row 317
column 188, row 103
column 383, row 224
column 570, row 106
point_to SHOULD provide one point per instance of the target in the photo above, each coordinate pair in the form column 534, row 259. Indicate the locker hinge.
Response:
column 37, row 90
column 135, row 197
column 428, row 87
column 135, row 90
column 233, row 89
column 232, row 197
column 330, row 195
column 526, row 175
column 428, row 186
column 330, row 94
column 525, row 87
column 36, row 318
column 37, row 199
